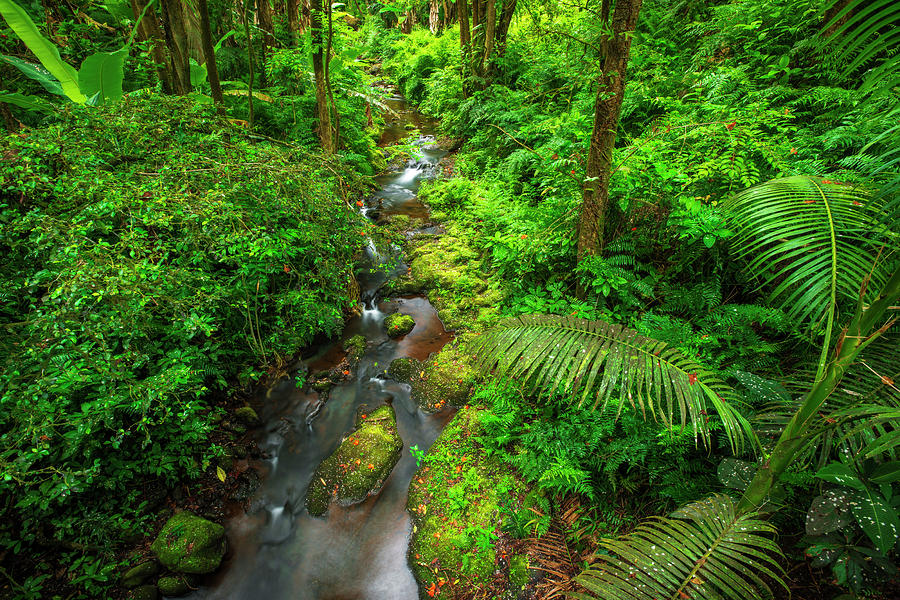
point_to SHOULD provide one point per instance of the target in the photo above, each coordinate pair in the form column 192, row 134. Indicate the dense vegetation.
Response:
column 678, row 281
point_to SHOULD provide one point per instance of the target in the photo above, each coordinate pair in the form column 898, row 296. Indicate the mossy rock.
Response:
column 247, row 416
column 137, row 575
column 176, row 585
column 145, row 592
column 190, row 544
column 355, row 347
column 360, row 465
column 444, row 379
column 455, row 499
column 398, row 324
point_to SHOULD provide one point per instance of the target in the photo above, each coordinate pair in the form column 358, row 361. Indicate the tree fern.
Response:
column 593, row 359
column 811, row 242
column 707, row 551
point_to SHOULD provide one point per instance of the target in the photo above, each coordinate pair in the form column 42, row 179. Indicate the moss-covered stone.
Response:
column 247, row 416
column 175, row 585
column 398, row 324
column 137, row 575
column 355, row 347
column 455, row 499
column 444, row 379
column 190, row 544
column 145, row 592
column 360, row 465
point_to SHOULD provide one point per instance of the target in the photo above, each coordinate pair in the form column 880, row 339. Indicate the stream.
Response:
column 359, row 552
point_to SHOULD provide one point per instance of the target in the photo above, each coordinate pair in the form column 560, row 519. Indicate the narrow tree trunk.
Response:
column 607, row 106
column 192, row 32
column 465, row 44
column 336, row 116
column 266, row 22
column 408, row 22
column 150, row 31
column 434, row 17
column 293, row 18
column 209, row 54
column 245, row 9
column 490, row 30
column 177, row 43
column 318, row 51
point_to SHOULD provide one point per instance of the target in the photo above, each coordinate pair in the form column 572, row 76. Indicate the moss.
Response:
column 452, row 274
column 145, row 592
column 247, row 416
column 398, row 324
column 518, row 572
column 139, row 574
column 175, row 585
column 446, row 378
column 189, row 544
column 360, row 464
column 355, row 347
column 403, row 369
column 456, row 499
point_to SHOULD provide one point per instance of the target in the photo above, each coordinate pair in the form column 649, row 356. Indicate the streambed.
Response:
column 359, row 552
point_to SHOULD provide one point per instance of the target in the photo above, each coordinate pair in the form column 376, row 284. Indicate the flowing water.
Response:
column 277, row 550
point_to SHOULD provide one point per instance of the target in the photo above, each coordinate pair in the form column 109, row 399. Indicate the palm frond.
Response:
column 707, row 551
column 868, row 417
column 811, row 242
column 863, row 37
column 581, row 359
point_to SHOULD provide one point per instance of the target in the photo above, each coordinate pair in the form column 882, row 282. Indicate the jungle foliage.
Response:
column 719, row 371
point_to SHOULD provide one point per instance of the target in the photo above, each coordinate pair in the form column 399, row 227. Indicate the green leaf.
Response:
column 886, row 473
column 43, row 49
column 707, row 551
column 841, row 474
column 101, row 74
column 581, row 359
column 37, row 73
column 32, row 103
column 876, row 518
column 198, row 73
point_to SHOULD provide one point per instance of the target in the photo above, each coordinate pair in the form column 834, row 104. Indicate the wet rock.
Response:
column 136, row 576
column 145, row 592
column 398, row 324
column 360, row 465
column 179, row 585
column 444, row 379
column 247, row 416
column 355, row 347
column 190, row 544
column 247, row 485
column 235, row 428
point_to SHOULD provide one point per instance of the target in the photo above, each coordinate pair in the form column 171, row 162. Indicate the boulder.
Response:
column 145, row 592
column 190, row 544
column 136, row 576
column 175, row 585
column 444, row 379
column 247, row 416
column 360, row 465
column 398, row 324
column 355, row 347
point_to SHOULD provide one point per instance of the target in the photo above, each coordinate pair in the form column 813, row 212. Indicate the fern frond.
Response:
column 810, row 242
column 707, row 551
column 580, row 359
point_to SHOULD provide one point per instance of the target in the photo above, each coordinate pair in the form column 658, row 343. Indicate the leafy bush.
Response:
column 151, row 254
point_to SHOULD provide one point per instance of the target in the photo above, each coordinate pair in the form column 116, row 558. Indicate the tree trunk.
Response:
column 434, row 17
column 490, row 30
column 150, row 31
column 266, row 22
column 337, row 117
column 293, row 18
column 408, row 22
column 245, row 9
column 323, row 113
column 209, row 54
column 607, row 106
column 465, row 44
column 177, row 44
